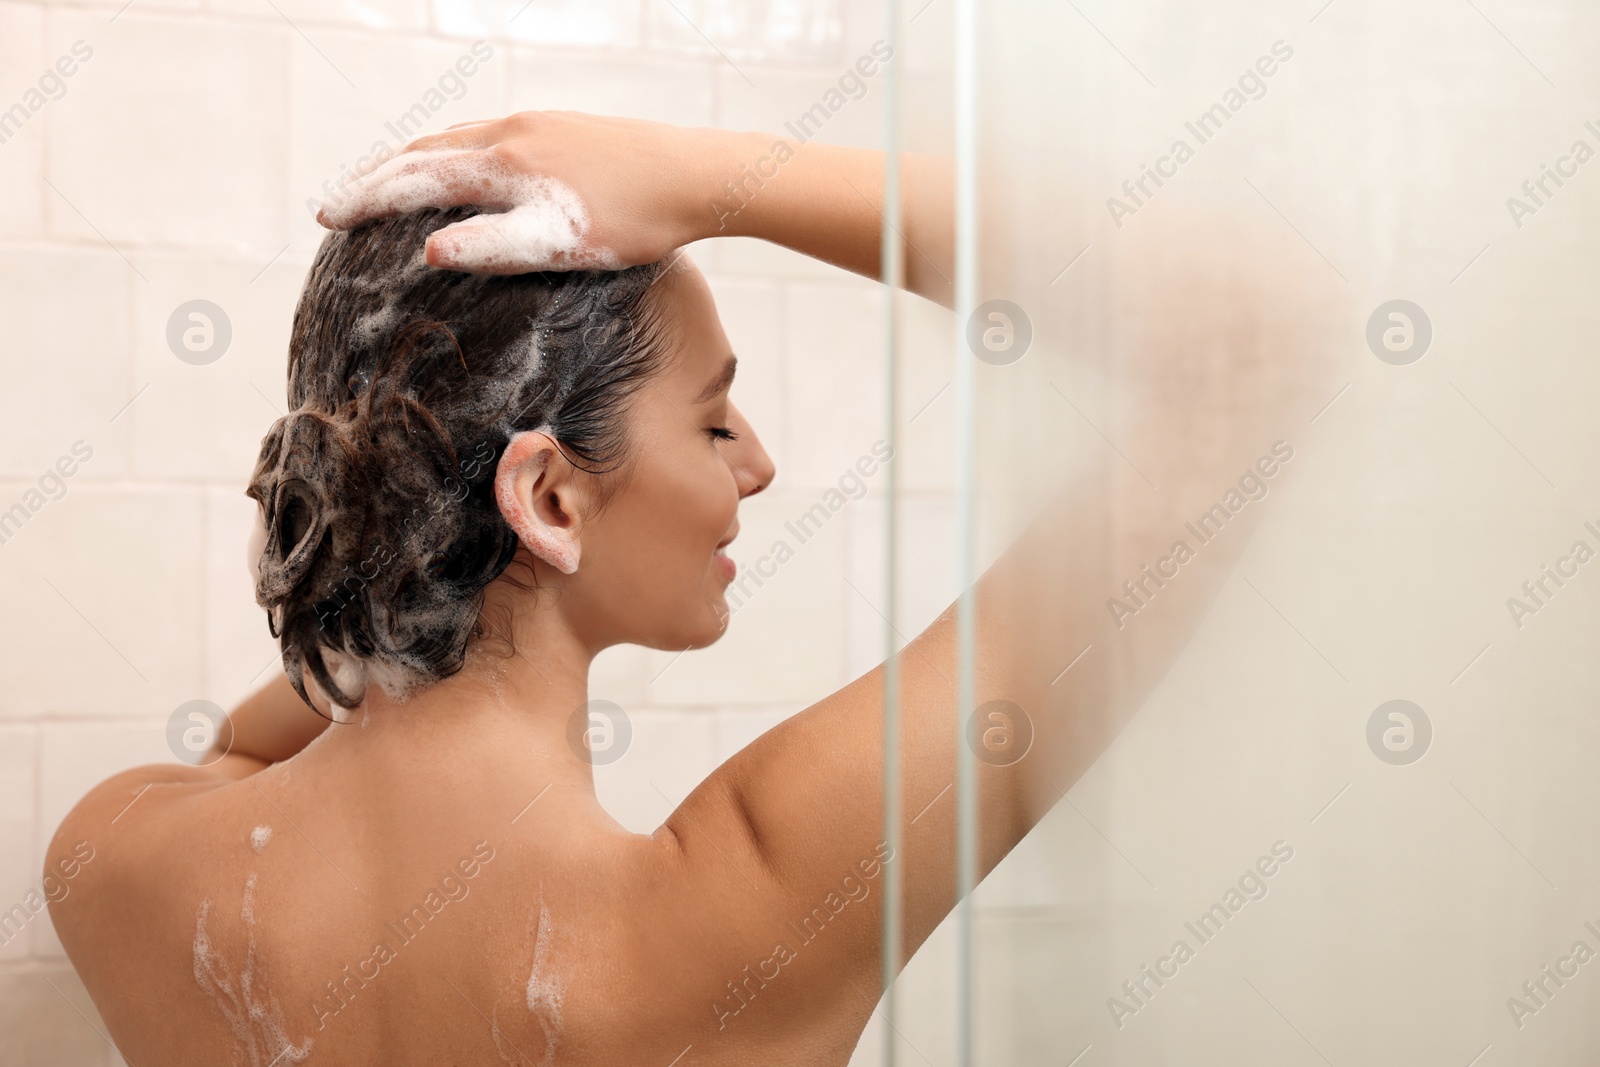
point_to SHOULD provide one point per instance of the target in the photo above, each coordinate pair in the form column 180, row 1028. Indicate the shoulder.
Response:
column 113, row 850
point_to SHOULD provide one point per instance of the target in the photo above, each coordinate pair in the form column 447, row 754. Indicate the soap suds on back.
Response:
column 252, row 1013
column 259, row 838
column 545, row 984
column 544, row 988
column 542, row 993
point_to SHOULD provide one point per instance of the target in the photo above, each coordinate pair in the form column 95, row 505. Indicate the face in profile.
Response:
column 651, row 570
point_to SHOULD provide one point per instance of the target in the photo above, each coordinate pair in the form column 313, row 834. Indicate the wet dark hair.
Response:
column 405, row 384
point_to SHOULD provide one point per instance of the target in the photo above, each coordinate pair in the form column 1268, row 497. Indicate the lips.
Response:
column 724, row 563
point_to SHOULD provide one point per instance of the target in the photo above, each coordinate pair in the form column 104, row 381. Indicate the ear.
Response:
column 534, row 486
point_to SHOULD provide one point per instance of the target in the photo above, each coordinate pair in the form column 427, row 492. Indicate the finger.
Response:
column 549, row 233
column 412, row 180
column 482, row 244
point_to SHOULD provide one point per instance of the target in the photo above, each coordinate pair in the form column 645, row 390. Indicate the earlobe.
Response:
column 530, row 471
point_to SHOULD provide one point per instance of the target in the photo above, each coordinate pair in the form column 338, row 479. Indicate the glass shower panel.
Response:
column 1295, row 304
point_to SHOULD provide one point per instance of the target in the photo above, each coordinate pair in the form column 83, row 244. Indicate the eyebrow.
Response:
column 721, row 382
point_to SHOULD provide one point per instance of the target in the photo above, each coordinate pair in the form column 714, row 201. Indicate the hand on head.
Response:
column 559, row 190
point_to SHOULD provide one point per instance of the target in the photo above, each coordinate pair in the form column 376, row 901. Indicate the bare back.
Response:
column 398, row 911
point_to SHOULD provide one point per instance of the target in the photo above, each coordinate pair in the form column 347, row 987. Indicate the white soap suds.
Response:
column 542, row 994
column 545, row 984
column 259, row 838
column 256, row 545
column 349, row 674
column 534, row 360
column 371, row 327
column 533, row 222
column 544, row 231
column 252, row 1014
column 398, row 679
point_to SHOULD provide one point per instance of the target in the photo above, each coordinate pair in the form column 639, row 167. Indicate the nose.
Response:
column 753, row 469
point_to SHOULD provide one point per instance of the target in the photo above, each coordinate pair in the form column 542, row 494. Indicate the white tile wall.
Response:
column 177, row 165
column 591, row 23
column 48, row 1020
column 836, row 409
column 205, row 423
column 173, row 134
column 670, row 752
column 771, row 98
column 661, row 90
column 355, row 96
column 22, row 64
column 736, row 729
column 368, row 14
column 69, row 370
column 795, row 31
column 104, row 591
column 18, row 796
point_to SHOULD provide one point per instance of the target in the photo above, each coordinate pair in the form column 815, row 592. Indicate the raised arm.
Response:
column 1218, row 341
column 574, row 190
column 1213, row 329
column 267, row 727
column 826, row 201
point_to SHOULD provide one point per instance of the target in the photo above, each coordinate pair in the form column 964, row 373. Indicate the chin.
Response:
column 713, row 619
column 699, row 624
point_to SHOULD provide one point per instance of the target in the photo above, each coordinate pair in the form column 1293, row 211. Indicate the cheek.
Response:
column 677, row 514
column 703, row 507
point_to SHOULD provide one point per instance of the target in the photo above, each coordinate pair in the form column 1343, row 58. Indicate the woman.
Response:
column 489, row 477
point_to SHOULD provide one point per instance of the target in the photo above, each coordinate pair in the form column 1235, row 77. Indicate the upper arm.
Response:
column 109, row 843
column 273, row 723
column 805, row 801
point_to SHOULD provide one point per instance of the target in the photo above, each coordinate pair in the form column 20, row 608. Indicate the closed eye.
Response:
column 722, row 433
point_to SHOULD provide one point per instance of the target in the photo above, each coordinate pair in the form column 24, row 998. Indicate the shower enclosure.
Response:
column 1348, row 823
column 1291, row 302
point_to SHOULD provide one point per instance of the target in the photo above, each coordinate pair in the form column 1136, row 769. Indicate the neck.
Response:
column 511, row 720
